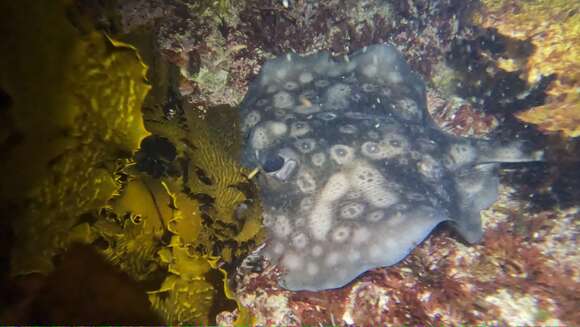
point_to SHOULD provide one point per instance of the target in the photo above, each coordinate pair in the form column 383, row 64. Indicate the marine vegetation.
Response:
column 153, row 184
column 72, row 101
column 73, row 115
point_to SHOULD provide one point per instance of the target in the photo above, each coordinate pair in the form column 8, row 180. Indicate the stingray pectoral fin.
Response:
column 469, row 227
column 386, row 240
column 477, row 189
column 477, row 182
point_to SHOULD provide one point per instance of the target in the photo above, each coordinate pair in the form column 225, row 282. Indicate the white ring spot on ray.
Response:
column 370, row 149
column 281, row 73
column 283, row 100
column 292, row 261
column 341, row 154
column 373, row 135
column 321, row 83
column 317, row 251
column 300, row 240
column 341, row 234
column 271, row 89
column 332, row 259
column 375, row 216
column 408, row 109
column 392, row 145
column 305, row 145
column 461, row 154
column 299, row 128
column 261, row 102
column 251, row 120
column 305, row 78
column 326, row 116
column 348, row 129
column 351, row 210
column 318, row 159
column 369, row 88
column 290, row 86
column 306, row 182
column 281, row 226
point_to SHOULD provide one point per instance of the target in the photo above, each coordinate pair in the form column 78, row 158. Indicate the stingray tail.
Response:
column 508, row 152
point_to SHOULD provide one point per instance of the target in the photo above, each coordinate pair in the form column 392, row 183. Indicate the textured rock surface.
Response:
column 464, row 63
column 525, row 269
column 553, row 29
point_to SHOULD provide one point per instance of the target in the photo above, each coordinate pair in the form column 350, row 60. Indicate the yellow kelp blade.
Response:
column 74, row 109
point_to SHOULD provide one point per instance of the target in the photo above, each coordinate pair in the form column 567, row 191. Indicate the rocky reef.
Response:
column 177, row 213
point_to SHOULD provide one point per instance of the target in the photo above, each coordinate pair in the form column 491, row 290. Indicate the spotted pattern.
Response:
column 364, row 174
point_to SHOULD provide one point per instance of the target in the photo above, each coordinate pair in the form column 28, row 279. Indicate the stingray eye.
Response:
column 279, row 166
column 273, row 163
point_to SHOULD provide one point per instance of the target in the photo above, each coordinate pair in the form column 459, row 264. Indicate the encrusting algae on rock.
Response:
column 553, row 28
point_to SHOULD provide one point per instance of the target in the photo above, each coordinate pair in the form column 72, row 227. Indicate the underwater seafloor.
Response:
column 122, row 187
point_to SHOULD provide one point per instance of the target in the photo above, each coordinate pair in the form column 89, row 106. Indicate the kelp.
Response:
column 150, row 230
column 196, row 229
column 208, row 144
column 74, row 111
column 208, row 235
column 72, row 119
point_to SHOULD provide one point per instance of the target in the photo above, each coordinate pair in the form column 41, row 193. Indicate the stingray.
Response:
column 354, row 171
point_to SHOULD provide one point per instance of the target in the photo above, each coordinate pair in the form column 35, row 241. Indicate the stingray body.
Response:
column 354, row 171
